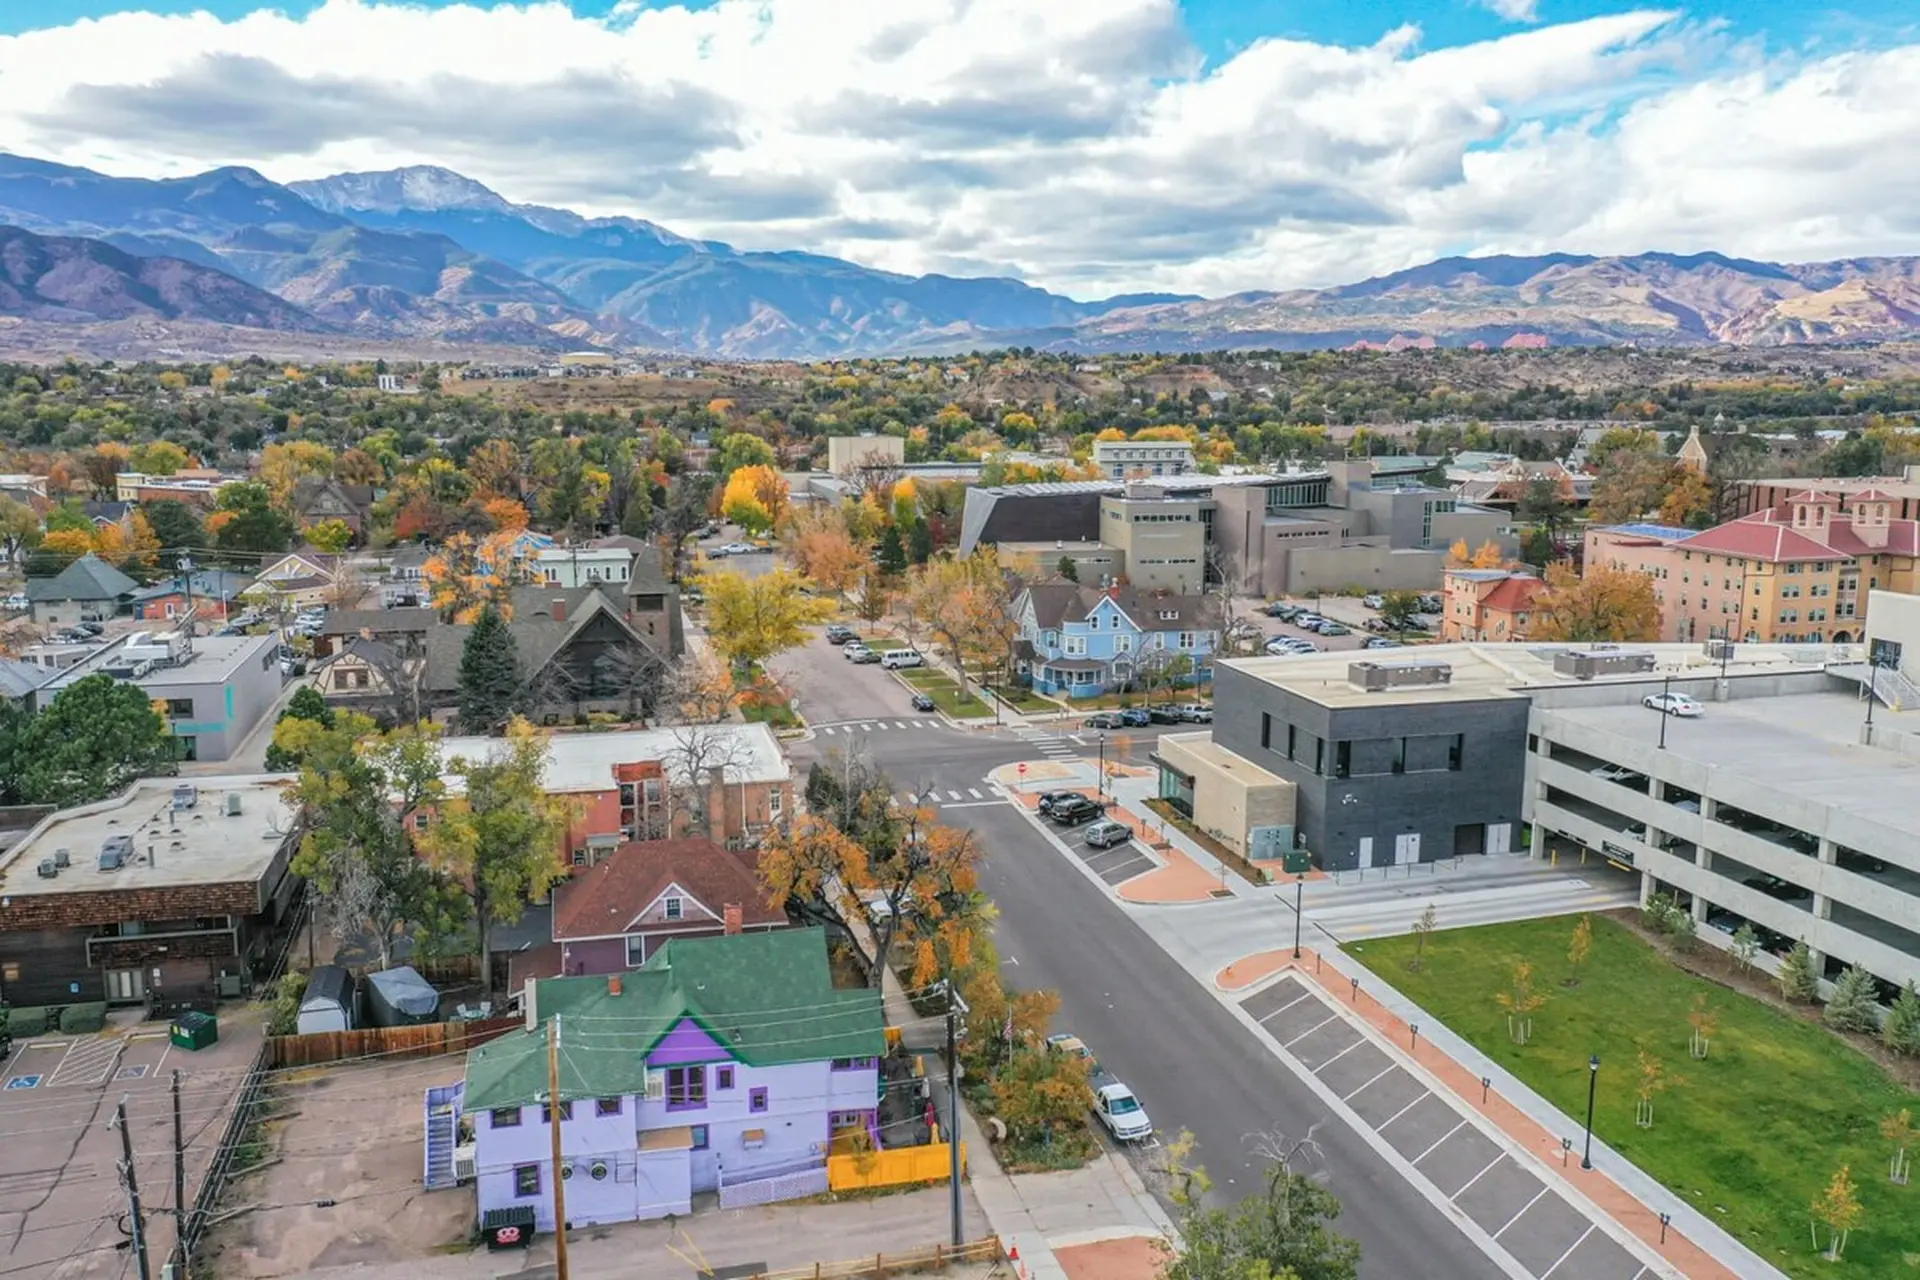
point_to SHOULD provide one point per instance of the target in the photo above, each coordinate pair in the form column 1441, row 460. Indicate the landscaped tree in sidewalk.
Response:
column 500, row 834
column 490, row 679
column 1705, row 1022
column 1423, row 929
column 1579, row 947
column 1798, row 978
column 749, row 620
column 1898, row 1129
column 1041, row 1094
column 1901, row 1031
column 1838, row 1210
column 1283, row 1232
column 305, row 704
column 1653, row 1079
column 1604, row 605
column 871, row 604
column 1853, row 1006
column 1520, row 1002
column 1399, row 609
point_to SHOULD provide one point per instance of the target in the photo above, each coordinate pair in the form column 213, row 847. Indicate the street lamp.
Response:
column 1593, row 1081
column 1100, row 777
column 1666, row 712
column 1299, row 878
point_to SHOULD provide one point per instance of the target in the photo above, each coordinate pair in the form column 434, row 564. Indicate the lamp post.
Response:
column 1666, row 691
column 1593, row 1082
column 1873, row 690
column 1100, row 779
column 1299, row 879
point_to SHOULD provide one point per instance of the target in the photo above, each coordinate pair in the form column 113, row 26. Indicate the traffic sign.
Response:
column 1023, row 768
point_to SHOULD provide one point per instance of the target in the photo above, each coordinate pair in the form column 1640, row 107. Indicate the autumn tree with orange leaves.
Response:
column 1604, row 605
column 466, row 575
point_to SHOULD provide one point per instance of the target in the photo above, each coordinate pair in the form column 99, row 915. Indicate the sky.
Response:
column 1090, row 146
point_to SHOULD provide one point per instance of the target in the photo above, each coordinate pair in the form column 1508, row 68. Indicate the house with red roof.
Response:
column 1488, row 604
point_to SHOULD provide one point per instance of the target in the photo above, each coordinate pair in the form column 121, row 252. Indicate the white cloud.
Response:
column 1083, row 144
column 1513, row 10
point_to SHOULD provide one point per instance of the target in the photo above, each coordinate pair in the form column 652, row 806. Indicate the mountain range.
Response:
column 424, row 252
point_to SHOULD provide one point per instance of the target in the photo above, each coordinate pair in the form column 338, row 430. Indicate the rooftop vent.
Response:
column 185, row 796
column 62, row 858
column 233, row 804
column 114, row 851
column 1585, row 664
column 1375, row 676
column 47, row 870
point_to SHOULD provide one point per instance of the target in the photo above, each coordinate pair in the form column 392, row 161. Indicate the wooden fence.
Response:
column 424, row 1041
column 868, row 1169
column 882, row 1265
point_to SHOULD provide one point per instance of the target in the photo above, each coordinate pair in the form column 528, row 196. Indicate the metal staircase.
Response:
column 443, row 1127
column 1894, row 690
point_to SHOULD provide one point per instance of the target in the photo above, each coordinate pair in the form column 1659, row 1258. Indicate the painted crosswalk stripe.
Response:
column 974, row 792
column 898, row 725
column 953, row 795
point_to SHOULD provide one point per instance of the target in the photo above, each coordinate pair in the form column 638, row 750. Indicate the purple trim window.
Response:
column 686, row 1088
column 722, row 1079
column 699, row 1137
column 853, row 1064
column 756, row 1100
column 546, row 1112
column 526, row 1180
column 503, row 1118
column 606, row 1106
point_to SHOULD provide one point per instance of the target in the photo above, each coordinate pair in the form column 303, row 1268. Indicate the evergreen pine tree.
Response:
column 637, row 520
column 489, row 674
column 1902, row 1030
column 1852, row 1007
column 920, row 543
column 893, row 555
column 1797, row 978
column 1068, row 569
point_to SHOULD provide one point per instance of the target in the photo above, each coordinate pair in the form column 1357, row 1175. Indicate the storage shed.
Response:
column 328, row 1003
column 400, row 998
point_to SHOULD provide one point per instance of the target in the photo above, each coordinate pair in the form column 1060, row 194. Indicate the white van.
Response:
column 895, row 658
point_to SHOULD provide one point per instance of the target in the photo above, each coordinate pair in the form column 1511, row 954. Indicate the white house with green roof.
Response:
column 724, row 1064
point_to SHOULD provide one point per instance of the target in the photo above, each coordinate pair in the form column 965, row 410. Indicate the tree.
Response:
column 685, row 515
column 636, row 518
column 1422, row 930
column 1799, row 980
column 871, row 604
column 749, row 620
column 1898, row 1129
column 1520, row 1002
column 1541, row 505
column 1689, row 500
column 821, row 547
column 246, row 525
column 490, row 677
column 92, row 741
column 284, row 464
column 359, row 792
column 305, row 704
column 19, row 531
column 174, row 524
column 1399, row 609
column 743, row 450
column 158, row 458
column 331, row 536
column 1746, row 945
column 1653, row 1079
column 1041, row 1094
column 1579, row 947
column 1838, row 1210
column 919, row 542
column 501, row 836
column 755, row 498
column 1068, row 569
column 892, row 556
column 1853, row 1006
column 1704, row 1022
column 1632, row 484
column 1486, row 556
column 1607, row 605
column 466, row 577
column 1282, row 1233
column 1901, row 1031
column 968, row 606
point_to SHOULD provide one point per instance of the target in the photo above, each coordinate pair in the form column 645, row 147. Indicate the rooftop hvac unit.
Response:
column 62, row 858
column 1585, row 664
column 1374, row 676
column 114, row 852
column 233, row 804
column 185, row 796
column 47, row 870
column 1718, row 650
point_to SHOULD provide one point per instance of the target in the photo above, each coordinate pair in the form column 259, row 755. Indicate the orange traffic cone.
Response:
column 1013, row 1250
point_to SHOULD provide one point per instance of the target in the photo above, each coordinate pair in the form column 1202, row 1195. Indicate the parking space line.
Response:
column 1443, row 1137
column 1382, row 1126
column 1349, row 1097
column 1310, row 1030
column 1523, row 1209
column 1476, row 1177
column 1343, row 1053
column 1289, row 1004
column 1570, row 1248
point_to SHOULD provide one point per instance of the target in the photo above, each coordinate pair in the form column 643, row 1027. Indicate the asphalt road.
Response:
column 1192, row 1064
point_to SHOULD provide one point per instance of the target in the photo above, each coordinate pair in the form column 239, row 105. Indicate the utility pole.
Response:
column 180, row 1210
column 954, row 1006
column 138, row 1228
column 553, row 1126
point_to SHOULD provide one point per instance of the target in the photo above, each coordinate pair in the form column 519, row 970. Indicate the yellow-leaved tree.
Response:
column 465, row 576
column 755, row 498
column 1603, row 605
column 749, row 620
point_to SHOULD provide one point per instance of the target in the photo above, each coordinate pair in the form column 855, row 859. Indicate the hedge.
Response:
column 83, row 1019
column 26, row 1021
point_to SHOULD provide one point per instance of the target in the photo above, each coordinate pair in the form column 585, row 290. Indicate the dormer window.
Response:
column 674, row 908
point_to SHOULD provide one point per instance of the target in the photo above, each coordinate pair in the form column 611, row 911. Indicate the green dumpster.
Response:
column 194, row 1030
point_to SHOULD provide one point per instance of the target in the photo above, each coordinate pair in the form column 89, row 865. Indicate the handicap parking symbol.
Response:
column 23, row 1082
column 133, row 1072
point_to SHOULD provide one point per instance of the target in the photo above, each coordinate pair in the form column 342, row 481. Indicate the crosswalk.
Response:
column 949, row 796
column 874, row 726
column 1051, row 745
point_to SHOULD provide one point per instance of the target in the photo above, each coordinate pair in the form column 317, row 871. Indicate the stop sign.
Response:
column 1023, row 768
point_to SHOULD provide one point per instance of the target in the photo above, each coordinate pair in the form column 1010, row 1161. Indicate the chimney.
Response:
column 558, row 610
column 735, row 917
column 613, row 984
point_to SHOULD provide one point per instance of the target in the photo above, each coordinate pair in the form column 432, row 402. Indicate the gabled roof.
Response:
column 351, row 622
column 212, row 584
column 1058, row 602
column 606, row 900
column 768, row 998
column 375, row 653
column 1514, row 594
column 536, row 632
column 88, row 578
column 646, row 577
column 1764, row 536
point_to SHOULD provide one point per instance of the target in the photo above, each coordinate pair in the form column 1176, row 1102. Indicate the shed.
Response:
column 401, row 998
column 328, row 1002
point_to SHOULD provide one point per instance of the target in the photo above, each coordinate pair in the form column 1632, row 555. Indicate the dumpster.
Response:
column 194, row 1030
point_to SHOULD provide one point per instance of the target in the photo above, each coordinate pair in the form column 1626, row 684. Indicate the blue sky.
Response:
column 1221, row 26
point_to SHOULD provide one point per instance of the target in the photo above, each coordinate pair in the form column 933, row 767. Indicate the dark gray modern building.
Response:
column 1393, row 759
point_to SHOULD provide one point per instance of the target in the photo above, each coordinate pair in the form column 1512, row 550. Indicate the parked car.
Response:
column 1103, row 720
column 1134, row 717
column 1615, row 773
column 854, row 649
column 840, row 633
column 1381, row 642
column 294, row 666
column 1164, row 715
column 860, row 655
column 1075, row 812
column 1050, row 799
column 1106, row 833
column 922, row 702
column 1196, row 713
column 1283, row 611
column 93, row 629
column 1374, row 601
column 17, row 602
column 1335, row 629
column 1673, row 704
column 736, row 549
column 894, row 659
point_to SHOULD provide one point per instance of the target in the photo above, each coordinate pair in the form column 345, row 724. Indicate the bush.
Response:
column 83, row 1019
column 1853, row 1007
column 27, row 1021
column 283, row 1016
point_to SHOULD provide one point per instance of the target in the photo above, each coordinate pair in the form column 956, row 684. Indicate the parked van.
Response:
column 896, row 658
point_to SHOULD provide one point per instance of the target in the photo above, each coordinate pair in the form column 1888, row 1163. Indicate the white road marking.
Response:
column 954, row 795
column 1310, row 1030
column 1443, row 1137
column 1569, row 1253
column 1304, row 995
column 1382, row 1127
column 1523, row 1209
column 1343, row 1053
column 1349, row 1097
column 1483, row 1173
column 975, row 793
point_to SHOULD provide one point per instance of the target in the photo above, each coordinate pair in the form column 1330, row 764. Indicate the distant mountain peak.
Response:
column 419, row 186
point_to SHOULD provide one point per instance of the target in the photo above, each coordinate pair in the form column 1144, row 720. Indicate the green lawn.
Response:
column 945, row 693
column 1749, row 1136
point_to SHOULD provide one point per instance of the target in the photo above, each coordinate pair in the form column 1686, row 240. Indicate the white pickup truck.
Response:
column 1113, row 1102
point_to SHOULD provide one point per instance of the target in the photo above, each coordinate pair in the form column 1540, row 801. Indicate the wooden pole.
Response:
column 553, row 1126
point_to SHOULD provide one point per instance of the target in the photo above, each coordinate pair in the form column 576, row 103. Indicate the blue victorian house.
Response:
column 1083, row 641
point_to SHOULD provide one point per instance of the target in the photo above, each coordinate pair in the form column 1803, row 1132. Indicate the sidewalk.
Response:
column 1696, row 1246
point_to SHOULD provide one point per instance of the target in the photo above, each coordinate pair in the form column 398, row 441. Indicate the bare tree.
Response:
column 696, row 689
column 1222, row 581
column 698, row 765
column 346, row 588
column 873, row 472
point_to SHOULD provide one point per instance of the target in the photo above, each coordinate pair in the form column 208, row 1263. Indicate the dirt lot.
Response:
column 63, row 1214
column 336, row 1177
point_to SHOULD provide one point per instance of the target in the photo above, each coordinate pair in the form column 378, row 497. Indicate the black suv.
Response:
column 1049, row 799
column 839, row 633
column 1074, row 812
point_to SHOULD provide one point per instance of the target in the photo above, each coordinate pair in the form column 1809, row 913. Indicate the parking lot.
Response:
column 1514, row 1203
column 63, row 1213
column 828, row 689
column 1115, row 865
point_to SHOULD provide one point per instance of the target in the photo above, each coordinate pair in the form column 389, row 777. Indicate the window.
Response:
column 546, row 1112
column 722, row 1079
column 1399, row 755
column 1342, row 759
column 686, row 1088
column 1293, row 735
column 636, row 951
column 503, row 1118
column 1456, row 751
column 1186, row 640
column 673, row 908
column 775, row 798
column 1076, row 646
column 180, row 707
column 852, row 1064
column 422, row 820
column 700, row 1137
column 1123, row 644
column 756, row 1100
column 607, row 1106
column 526, row 1180
column 1266, row 731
